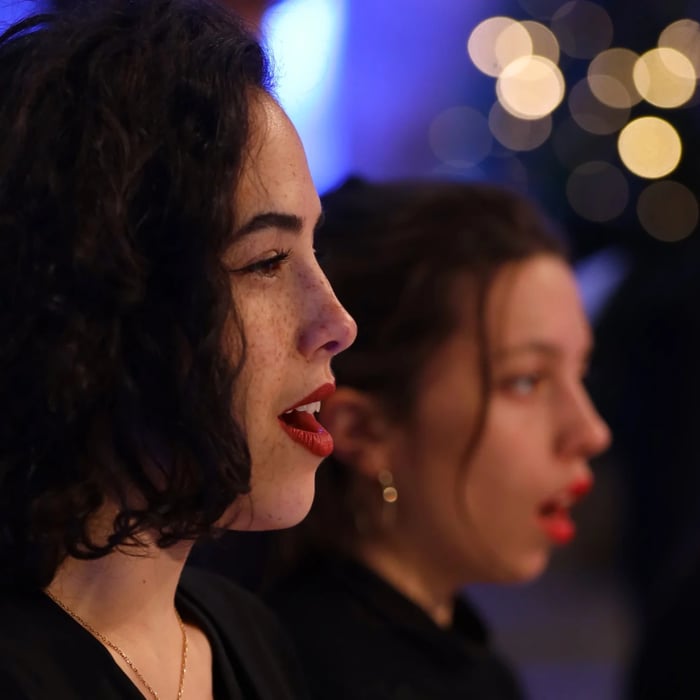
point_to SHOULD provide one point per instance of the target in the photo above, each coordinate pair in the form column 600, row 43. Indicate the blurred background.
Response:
column 591, row 108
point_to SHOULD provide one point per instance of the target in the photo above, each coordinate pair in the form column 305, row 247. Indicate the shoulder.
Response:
column 213, row 591
column 339, row 637
column 249, row 632
column 317, row 599
column 238, row 612
column 359, row 637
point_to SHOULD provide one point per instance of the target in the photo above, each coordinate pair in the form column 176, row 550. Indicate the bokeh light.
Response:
column 665, row 77
column 530, row 87
column 668, row 210
column 650, row 147
column 496, row 42
column 683, row 36
column 460, row 137
column 591, row 114
column 611, row 80
column 544, row 43
column 583, row 28
column 518, row 134
column 597, row 191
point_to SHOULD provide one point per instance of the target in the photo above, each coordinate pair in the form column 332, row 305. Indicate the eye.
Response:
column 522, row 384
column 267, row 267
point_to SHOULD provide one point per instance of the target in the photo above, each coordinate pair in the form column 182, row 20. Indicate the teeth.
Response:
column 314, row 407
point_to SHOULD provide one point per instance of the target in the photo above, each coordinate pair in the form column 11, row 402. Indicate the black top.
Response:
column 360, row 639
column 46, row 655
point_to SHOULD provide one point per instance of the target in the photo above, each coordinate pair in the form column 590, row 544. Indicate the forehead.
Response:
column 275, row 174
column 536, row 301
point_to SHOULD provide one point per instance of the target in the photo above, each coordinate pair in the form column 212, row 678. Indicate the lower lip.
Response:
column 318, row 442
column 559, row 527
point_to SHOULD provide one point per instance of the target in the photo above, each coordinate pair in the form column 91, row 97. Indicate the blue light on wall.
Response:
column 362, row 80
column 305, row 39
column 13, row 10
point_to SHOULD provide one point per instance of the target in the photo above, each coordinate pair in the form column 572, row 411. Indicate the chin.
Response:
column 284, row 508
column 520, row 570
column 531, row 568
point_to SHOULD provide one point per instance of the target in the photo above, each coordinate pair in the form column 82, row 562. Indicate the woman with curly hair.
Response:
column 166, row 338
column 462, row 436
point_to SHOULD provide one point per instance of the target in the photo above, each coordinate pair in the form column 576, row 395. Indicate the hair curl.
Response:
column 123, row 127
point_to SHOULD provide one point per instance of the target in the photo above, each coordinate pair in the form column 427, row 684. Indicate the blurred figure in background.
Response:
column 462, row 436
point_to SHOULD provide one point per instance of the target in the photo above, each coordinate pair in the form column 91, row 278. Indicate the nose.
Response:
column 584, row 433
column 327, row 328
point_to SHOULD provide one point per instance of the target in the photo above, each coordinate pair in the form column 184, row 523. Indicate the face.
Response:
column 292, row 321
column 496, row 515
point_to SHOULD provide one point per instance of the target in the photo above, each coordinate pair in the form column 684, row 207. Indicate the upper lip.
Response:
column 569, row 496
column 319, row 394
column 579, row 488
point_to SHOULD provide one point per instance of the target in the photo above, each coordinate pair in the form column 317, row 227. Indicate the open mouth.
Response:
column 300, row 424
column 303, row 418
column 555, row 520
column 554, row 515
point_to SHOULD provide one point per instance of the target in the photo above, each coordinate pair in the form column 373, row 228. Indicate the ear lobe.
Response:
column 359, row 429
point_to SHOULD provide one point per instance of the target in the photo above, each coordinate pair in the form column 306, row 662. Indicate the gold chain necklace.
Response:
column 127, row 660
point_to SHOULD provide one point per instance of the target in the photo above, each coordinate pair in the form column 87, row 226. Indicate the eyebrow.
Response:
column 274, row 219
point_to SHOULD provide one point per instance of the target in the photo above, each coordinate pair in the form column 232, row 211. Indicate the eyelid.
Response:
column 266, row 261
column 511, row 381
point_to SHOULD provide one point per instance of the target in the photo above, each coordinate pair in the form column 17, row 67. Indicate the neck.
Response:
column 121, row 588
column 418, row 583
column 128, row 603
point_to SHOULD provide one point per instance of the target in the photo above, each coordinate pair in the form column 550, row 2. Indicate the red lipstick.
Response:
column 554, row 515
column 581, row 487
column 302, row 426
column 557, row 524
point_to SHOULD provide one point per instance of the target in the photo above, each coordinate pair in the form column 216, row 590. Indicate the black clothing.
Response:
column 664, row 666
column 46, row 655
column 360, row 639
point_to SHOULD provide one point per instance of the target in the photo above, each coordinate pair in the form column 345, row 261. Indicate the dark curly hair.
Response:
column 123, row 128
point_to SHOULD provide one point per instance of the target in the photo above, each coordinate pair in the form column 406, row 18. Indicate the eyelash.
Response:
column 268, row 267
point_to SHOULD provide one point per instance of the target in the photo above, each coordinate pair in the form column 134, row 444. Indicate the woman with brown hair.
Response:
column 462, row 436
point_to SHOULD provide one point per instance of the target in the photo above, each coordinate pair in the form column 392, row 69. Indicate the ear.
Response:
column 359, row 428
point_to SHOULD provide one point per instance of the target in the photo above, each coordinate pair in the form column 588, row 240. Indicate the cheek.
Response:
column 445, row 424
column 502, row 473
column 267, row 341
column 268, row 326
